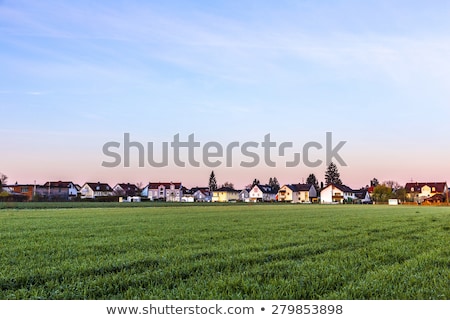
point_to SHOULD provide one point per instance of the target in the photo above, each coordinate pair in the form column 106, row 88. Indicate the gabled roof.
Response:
column 299, row 187
column 417, row 186
column 20, row 185
column 361, row 194
column 98, row 186
column 187, row 191
column 303, row 186
column 204, row 190
column 129, row 189
column 226, row 189
column 59, row 184
column 127, row 186
column 156, row 185
column 200, row 190
column 341, row 187
column 265, row 188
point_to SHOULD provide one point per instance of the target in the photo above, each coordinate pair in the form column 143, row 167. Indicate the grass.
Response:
column 88, row 204
column 226, row 252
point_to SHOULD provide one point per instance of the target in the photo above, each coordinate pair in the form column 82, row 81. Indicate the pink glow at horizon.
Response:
column 357, row 174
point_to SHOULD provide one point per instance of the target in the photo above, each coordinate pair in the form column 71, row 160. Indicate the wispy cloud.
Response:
column 217, row 46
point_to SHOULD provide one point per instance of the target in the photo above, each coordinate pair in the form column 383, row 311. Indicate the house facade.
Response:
column 336, row 193
column 362, row 196
column 95, row 190
column 244, row 195
column 201, row 194
column 297, row 193
column 8, row 195
column 29, row 191
column 60, row 190
column 126, row 189
column 187, row 197
column 262, row 193
column 420, row 191
column 225, row 194
column 163, row 191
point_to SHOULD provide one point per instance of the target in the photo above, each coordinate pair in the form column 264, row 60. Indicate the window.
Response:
column 433, row 189
column 24, row 189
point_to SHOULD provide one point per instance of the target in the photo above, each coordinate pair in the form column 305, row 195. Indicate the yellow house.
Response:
column 419, row 191
column 297, row 193
column 225, row 194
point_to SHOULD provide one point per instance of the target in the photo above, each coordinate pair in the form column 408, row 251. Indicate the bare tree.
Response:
column 394, row 185
column 3, row 180
column 228, row 185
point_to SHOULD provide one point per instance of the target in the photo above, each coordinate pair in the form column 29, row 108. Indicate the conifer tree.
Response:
column 313, row 180
column 274, row 184
column 212, row 182
column 332, row 175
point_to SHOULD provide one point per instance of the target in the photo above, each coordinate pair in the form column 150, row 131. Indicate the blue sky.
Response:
column 75, row 75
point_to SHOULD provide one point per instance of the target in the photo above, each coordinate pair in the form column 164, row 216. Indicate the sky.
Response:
column 76, row 75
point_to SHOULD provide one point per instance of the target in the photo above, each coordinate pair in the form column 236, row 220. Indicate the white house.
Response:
column 91, row 190
column 262, row 193
column 297, row 193
column 187, row 198
column 130, row 199
column 244, row 195
column 362, row 196
column 201, row 194
column 335, row 193
column 163, row 191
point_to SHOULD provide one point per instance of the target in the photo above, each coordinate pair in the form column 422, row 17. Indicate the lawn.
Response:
column 226, row 252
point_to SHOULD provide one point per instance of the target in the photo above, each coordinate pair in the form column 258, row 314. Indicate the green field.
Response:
column 226, row 252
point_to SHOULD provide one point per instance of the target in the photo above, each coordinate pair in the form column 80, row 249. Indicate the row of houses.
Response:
column 68, row 190
column 420, row 192
column 293, row 193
